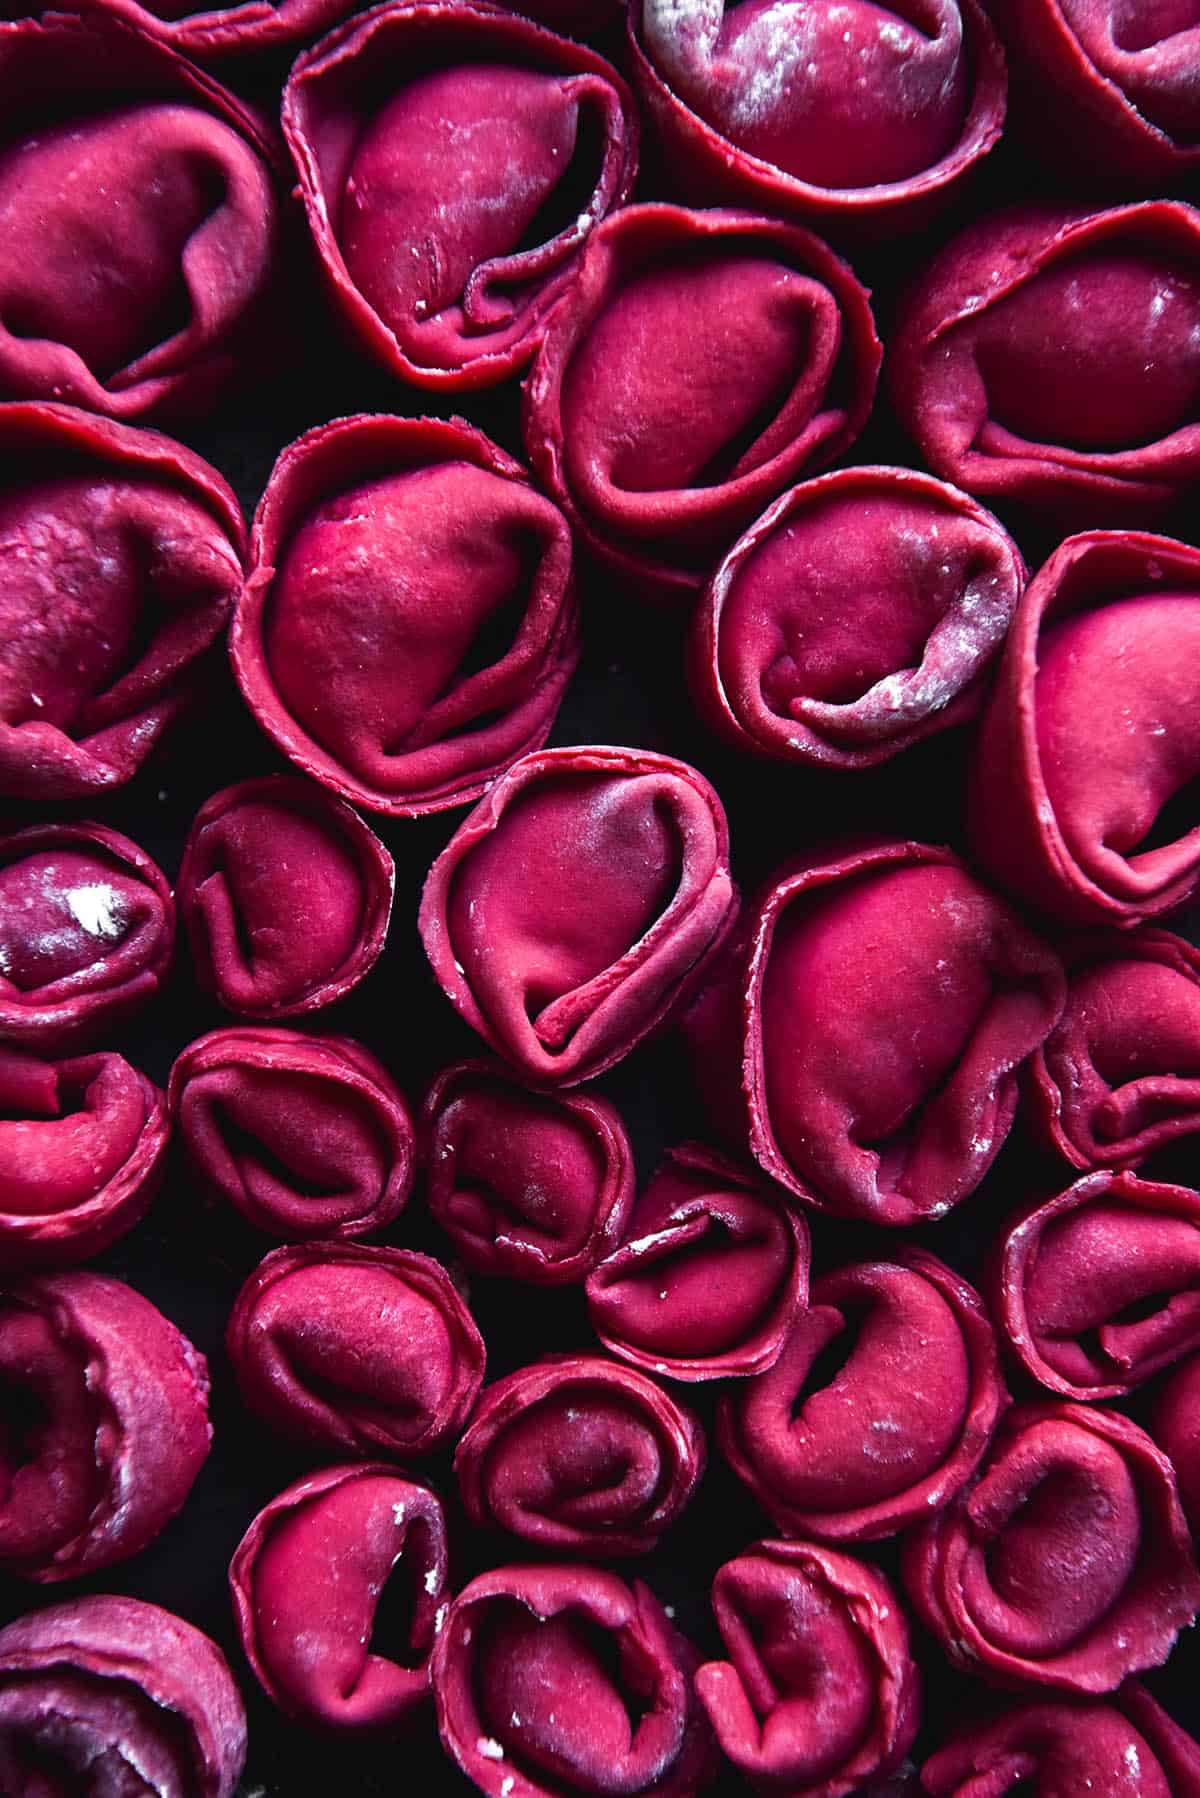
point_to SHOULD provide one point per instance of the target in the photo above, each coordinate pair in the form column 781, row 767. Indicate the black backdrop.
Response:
column 190, row 1260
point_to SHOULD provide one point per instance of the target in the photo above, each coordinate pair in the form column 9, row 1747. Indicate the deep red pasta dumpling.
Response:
column 891, row 1436
column 709, row 1276
column 123, row 1686
column 1082, row 796
column 700, row 363
column 87, row 929
column 1126, row 1747
column 528, row 1185
column 139, row 225
column 306, row 1136
column 563, row 990
column 81, row 1155
column 1099, row 1287
column 1067, row 1563
column 286, row 896
column 818, row 1694
column 1119, row 1076
column 453, row 159
column 109, row 1402
column 852, row 114
column 578, row 1455
column 879, row 1004
column 356, row 1351
column 565, row 1681
column 1049, row 360
column 306, row 1579
column 120, row 559
column 408, row 626
column 858, row 615
column 1113, row 81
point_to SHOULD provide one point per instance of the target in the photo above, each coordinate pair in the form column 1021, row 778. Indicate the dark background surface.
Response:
column 190, row 1260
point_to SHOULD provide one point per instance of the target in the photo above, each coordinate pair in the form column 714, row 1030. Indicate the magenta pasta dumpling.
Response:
column 139, row 222
column 453, row 159
column 387, row 554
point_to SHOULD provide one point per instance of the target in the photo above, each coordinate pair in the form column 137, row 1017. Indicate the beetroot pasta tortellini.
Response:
column 527, row 1185
column 452, row 159
column 307, row 1136
column 105, row 1405
column 87, row 928
column 358, row 1351
column 106, row 1695
column 81, row 1152
column 561, row 988
column 1115, row 82
column 138, row 222
column 1052, row 360
column 700, row 363
column 1099, row 1288
column 1127, row 1747
column 819, row 1694
column 1081, row 797
column 882, row 1003
column 120, row 558
column 386, row 555
column 901, row 1425
column 1119, row 1076
column 856, row 616
column 849, row 114
column 286, row 897
column 710, row 1276
column 565, row 1681
column 1067, row 1563
column 306, row 1580
column 578, row 1455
